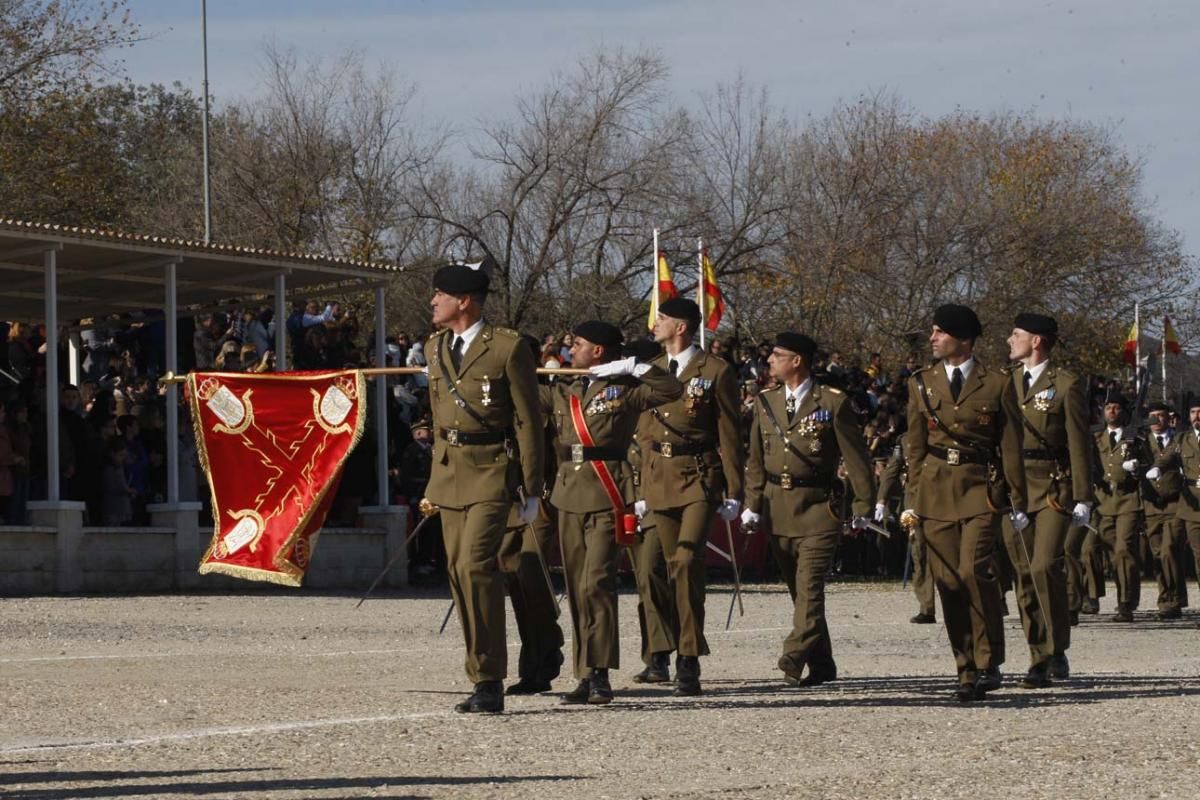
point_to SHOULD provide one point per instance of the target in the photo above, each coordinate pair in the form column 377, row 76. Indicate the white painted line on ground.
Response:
column 204, row 733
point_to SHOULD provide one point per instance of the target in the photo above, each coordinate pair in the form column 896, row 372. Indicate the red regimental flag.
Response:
column 1170, row 339
column 273, row 446
column 1129, row 349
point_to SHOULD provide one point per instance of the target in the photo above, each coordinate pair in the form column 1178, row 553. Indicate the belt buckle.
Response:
column 665, row 449
column 577, row 454
column 452, row 437
column 952, row 456
column 785, row 481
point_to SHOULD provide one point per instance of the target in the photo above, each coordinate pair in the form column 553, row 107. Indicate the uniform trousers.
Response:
column 1165, row 534
column 473, row 535
column 656, row 611
column 922, row 577
column 1038, row 556
column 590, row 552
column 683, row 533
column 521, row 562
column 1118, row 533
column 804, row 561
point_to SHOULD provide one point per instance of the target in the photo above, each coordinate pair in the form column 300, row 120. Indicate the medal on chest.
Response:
column 695, row 395
column 1041, row 400
column 486, row 388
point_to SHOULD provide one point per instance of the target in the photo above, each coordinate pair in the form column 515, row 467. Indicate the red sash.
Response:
column 606, row 478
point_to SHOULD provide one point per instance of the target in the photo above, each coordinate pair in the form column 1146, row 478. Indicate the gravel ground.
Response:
column 301, row 696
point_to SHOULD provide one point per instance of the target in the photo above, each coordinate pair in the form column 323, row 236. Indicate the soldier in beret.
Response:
column 594, row 419
column 964, row 425
column 1183, row 458
column 800, row 433
column 692, row 458
column 487, row 456
column 1161, row 487
column 1120, row 456
column 1056, row 452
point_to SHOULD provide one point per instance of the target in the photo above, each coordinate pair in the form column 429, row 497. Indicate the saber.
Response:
column 871, row 526
column 429, row 510
column 737, row 580
column 537, row 546
column 1012, row 516
column 719, row 551
column 907, row 565
column 446, row 619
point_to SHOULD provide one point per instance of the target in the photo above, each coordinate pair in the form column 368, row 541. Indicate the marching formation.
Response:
column 643, row 450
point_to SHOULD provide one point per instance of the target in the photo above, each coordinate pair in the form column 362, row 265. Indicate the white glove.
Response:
column 750, row 519
column 1081, row 514
column 880, row 512
column 1130, row 465
column 622, row 366
column 729, row 510
column 1153, row 473
column 639, row 508
column 859, row 523
column 1019, row 521
column 529, row 510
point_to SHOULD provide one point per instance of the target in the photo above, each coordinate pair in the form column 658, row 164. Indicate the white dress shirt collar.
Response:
column 468, row 335
column 1036, row 372
column 964, row 367
column 683, row 358
column 799, row 393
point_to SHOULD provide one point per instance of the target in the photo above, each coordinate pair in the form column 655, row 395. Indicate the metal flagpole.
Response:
column 654, row 298
column 204, row 130
column 1164, row 359
column 1137, row 353
column 700, row 286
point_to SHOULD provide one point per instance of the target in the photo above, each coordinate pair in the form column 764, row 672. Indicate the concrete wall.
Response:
column 28, row 560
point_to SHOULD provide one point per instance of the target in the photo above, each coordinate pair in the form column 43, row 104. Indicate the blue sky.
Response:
column 1128, row 64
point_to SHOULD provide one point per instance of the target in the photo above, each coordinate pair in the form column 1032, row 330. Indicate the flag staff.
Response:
column 654, row 298
column 700, row 287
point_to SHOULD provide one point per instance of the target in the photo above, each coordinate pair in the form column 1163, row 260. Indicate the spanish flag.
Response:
column 712, row 304
column 664, row 287
column 1170, row 340
column 1129, row 353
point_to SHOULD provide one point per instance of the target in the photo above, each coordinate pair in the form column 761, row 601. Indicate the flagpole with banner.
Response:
column 1170, row 344
column 1137, row 351
column 654, row 290
column 700, row 286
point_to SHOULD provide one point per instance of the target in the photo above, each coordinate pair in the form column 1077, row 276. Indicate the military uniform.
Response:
column 692, row 457
column 479, row 466
column 1184, row 455
column 653, row 584
column 1056, row 451
column 1120, row 509
column 1160, row 502
column 949, row 479
column 893, row 480
column 587, row 519
column 791, row 474
column 522, row 558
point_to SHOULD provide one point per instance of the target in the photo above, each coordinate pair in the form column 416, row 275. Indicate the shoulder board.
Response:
column 435, row 335
column 926, row 368
column 832, row 390
column 777, row 388
column 509, row 332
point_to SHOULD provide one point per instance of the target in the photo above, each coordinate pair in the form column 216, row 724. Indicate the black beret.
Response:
column 1037, row 324
column 643, row 349
column 1195, row 402
column 1116, row 397
column 463, row 278
column 680, row 308
column 1158, row 405
column 958, row 321
column 798, row 343
column 601, row 333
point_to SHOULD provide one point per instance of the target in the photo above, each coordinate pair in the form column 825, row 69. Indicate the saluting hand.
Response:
column 624, row 366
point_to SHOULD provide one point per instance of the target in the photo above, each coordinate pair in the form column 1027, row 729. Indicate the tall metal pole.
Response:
column 381, row 404
column 50, row 263
column 171, row 309
column 204, row 123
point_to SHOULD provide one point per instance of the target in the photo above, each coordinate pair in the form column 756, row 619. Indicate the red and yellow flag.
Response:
column 664, row 287
column 712, row 304
column 1129, row 353
column 273, row 446
column 1170, row 339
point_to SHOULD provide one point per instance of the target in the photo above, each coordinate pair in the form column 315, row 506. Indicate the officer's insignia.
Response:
column 815, row 446
column 486, row 388
column 696, row 390
column 815, row 422
column 985, row 419
column 1041, row 400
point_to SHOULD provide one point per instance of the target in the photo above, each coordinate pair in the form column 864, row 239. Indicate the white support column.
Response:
column 74, row 360
column 381, row 405
column 281, row 315
column 53, row 490
column 170, row 309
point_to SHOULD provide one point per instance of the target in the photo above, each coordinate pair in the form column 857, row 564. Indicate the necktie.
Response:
column 585, row 381
column 456, row 353
column 956, row 382
column 674, row 367
column 1028, row 382
column 1162, row 441
column 791, row 407
column 1112, row 438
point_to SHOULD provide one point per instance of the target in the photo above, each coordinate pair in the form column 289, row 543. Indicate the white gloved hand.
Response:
column 880, row 512
column 750, row 519
column 729, row 509
column 859, row 523
column 1081, row 514
column 529, row 510
column 622, row 366
column 1153, row 473
column 639, row 508
column 1130, row 465
column 1019, row 521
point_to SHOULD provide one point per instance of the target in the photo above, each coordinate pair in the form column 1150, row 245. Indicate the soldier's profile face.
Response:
column 1112, row 413
column 583, row 353
column 666, row 328
column 783, row 364
column 446, row 307
column 1158, row 420
column 943, row 345
column 1020, row 344
column 1194, row 416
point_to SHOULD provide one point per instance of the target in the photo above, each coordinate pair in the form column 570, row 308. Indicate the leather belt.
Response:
column 670, row 449
column 1039, row 455
column 955, row 455
column 578, row 454
column 786, row 481
column 456, row 438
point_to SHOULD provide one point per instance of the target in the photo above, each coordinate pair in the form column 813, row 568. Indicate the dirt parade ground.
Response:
column 300, row 695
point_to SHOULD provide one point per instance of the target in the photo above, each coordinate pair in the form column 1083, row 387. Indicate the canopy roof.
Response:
column 104, row 272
